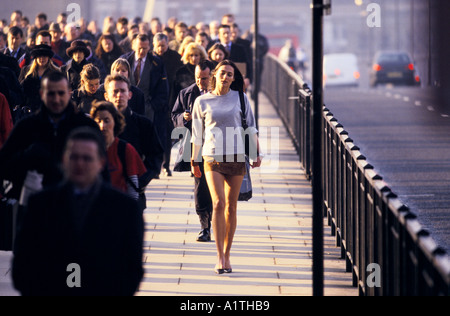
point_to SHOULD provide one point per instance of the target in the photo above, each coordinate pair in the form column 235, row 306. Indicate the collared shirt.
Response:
column 227, row 46
column 136, row 62
column 13, row 53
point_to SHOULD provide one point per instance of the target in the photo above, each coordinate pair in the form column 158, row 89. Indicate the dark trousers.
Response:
column 167, row 144
column 161, row 123
column 203, row 201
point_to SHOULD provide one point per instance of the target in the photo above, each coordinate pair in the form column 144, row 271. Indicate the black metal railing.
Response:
column 385, row 247
column 282, row 85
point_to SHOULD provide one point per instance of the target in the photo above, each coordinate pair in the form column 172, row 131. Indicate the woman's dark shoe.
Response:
column 219, row 271
column 228, row 264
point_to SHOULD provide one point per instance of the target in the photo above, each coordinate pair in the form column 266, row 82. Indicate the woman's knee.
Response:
column 219, row 205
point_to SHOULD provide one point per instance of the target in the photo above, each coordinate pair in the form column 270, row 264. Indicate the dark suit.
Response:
column 247, row 45
column 106, row 243
column 153, row 83
column 21, row 51
column 172, row 62
column 238, row 54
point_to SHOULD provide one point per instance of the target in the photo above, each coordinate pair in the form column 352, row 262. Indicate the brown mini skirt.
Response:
column 226, row 165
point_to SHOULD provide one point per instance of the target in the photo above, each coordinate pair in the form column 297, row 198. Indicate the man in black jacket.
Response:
column 238, row 53
column 81, row 238
column 37, row 142
column 172, row 62
column 182, row 117
column 148, row 73
column 139, row 130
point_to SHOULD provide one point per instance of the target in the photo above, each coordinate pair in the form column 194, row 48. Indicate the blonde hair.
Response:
column 121, row 62
column 34, row 67
column 184, row 44
column 193, row 47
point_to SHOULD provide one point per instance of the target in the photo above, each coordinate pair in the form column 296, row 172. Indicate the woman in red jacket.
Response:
column 124, row 168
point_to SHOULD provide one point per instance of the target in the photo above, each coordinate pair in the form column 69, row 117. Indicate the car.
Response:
column 341, row 70
column 394, row 68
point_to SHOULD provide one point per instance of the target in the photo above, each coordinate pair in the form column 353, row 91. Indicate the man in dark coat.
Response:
column 238, row 53
column 148, row 73
column 36, row 142
column 151, row 77
column 139, row 131
column 182, row 117
column 170, row 58
column 172, row 61
column 82, row 237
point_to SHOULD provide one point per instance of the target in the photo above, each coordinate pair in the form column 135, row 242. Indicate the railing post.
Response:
column 256, row 65
column 318, row 265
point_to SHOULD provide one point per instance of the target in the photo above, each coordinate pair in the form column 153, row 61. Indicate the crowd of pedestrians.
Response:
column 92, row 114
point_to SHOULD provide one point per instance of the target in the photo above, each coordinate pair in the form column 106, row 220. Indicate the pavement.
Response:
column 272, row 249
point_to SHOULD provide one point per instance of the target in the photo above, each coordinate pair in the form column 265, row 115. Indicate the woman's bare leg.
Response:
column 216, row 184
column 232, row 189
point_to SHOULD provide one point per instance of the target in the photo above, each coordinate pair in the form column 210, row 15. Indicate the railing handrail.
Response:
column 371, row 224
column 288, row 70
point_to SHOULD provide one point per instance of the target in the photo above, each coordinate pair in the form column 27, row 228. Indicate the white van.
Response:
column 340, row 70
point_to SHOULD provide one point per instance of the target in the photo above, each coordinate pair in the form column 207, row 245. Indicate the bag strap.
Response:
column 121, row 152
column 243, row 110
column 244, row 118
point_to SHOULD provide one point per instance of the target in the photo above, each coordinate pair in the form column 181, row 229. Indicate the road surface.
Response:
column 405, row 135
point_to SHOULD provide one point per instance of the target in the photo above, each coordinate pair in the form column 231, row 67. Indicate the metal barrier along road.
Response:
column 385, row 247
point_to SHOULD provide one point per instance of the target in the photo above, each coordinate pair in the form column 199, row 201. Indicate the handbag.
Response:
column 246, row 192
column 183, row 162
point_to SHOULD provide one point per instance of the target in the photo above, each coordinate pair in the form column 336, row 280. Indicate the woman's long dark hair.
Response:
column 119, row 119
column 238, row 84
column 99, row 50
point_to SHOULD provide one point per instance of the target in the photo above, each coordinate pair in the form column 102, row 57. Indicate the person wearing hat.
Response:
column 43, row 37
column 59, row 46
column 78, row 52
column 30, row 76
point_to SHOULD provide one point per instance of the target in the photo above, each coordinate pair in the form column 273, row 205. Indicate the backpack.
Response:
column 121, row 152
